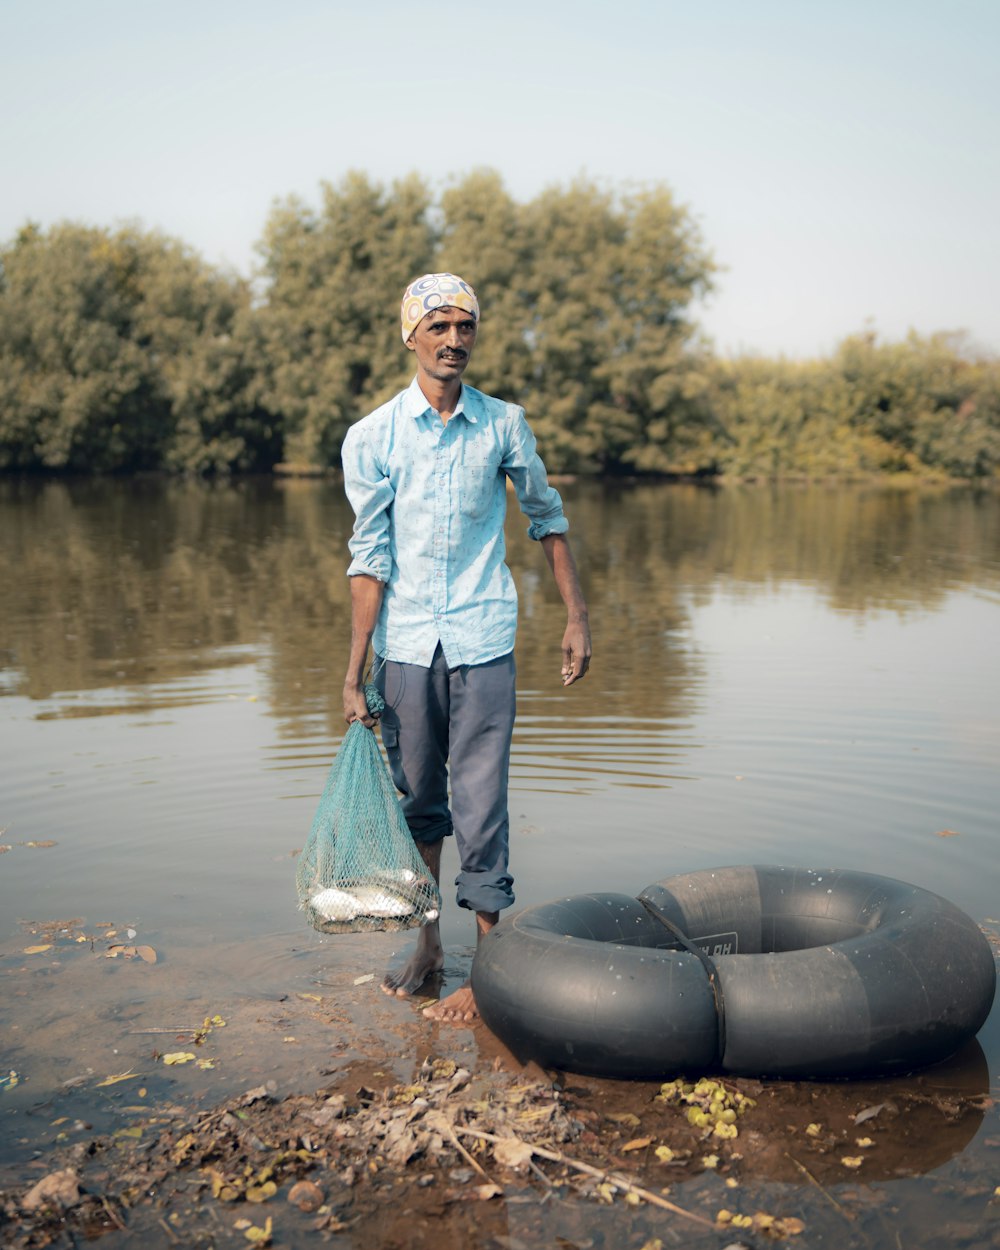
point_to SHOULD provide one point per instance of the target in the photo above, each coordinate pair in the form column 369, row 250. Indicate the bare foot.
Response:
column 458, row 1008
column 427, row 959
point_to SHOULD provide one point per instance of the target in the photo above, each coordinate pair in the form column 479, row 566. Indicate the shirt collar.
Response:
column 415, row 403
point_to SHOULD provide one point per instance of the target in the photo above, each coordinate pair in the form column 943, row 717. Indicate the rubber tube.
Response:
column 819, row 973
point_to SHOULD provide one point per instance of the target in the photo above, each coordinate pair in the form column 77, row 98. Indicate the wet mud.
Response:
column 414, row 1135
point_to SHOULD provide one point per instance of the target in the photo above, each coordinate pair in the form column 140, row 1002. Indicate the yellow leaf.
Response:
column 664, row 1154
column 312, row 998
column 134, row 1130
column 852, row 1161
column 813, row 1130
column 791, row 1224
column 863, row 1142
column 606, row 1192
column 637, row 1143
column 259, row 1236
column 113, row 1080
column 626, row 1118
column 725, row 1131
column 178, row 1056
column 710, row 1161
column 37, row 950
column 182, row 1147
column 206, row 1063
column 262, row 1193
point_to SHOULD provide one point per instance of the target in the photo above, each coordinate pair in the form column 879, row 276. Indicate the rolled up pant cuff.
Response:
column 484, row 891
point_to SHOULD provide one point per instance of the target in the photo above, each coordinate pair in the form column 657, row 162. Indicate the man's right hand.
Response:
column 356, row 707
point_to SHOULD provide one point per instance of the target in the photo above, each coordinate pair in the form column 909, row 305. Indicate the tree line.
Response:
column 123, row 350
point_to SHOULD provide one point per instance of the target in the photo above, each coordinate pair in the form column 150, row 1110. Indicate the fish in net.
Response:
column 360, row 869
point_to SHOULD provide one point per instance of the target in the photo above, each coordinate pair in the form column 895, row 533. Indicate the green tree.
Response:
column 332, row 282
column 124, row 350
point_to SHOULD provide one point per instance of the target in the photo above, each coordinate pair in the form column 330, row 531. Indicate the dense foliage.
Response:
column 123, row 350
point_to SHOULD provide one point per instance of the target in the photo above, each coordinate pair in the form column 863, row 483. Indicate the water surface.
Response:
column 804, row 676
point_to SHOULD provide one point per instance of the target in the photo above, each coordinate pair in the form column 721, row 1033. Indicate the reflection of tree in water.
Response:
column 128, row 584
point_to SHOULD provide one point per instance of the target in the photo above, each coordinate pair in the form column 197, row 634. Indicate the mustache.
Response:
column 458, row 352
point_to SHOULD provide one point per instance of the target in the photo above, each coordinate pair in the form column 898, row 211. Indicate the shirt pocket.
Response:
column 480, row 480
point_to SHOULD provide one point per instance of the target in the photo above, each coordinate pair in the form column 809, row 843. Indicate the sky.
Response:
column 841, row 160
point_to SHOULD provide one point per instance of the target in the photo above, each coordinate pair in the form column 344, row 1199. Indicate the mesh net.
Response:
column 360, row 869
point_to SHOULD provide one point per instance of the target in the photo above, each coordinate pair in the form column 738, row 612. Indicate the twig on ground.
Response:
column 613, row 1178
column 822, row 1189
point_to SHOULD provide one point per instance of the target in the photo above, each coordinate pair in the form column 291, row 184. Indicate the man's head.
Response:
column 431, row 292
column 440, row 317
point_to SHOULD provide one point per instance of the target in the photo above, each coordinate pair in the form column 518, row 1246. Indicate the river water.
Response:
column 796, row 675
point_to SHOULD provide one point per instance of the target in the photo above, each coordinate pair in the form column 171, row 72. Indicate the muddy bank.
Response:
column 314, row 1109
column 498, row 1156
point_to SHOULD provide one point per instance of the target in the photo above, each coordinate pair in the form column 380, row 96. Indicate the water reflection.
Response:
column 119, row 586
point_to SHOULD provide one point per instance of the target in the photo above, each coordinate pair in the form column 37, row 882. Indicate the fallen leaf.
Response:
column 205, row 1064
column 134, row 1130
column 186, row 1143
column 863, row 1142
column 365, row 979
column 637, row 1143
column 261, row 1193
column 511, row 1152
column 947, row 833
column 146, row 953
column 852, row 1161
column 709, row 1161
column 664, row 1154
column 37, row 950
column 58, row 1189
column 485, row 1192
column 120, row 1076
column 44, row 844
column 869, row 1113
column 312, row 998
column 178, row 1056
column 5, row 848
column 259, row 1236
column 813, row 1130
column 626, row 1118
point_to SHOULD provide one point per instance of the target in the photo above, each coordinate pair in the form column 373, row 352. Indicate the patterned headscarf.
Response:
column 435, row 290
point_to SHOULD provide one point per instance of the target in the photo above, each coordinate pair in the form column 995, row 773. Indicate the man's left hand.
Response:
column 576, row 652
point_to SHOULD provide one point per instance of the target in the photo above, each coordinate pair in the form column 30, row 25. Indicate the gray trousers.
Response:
column 465, row 715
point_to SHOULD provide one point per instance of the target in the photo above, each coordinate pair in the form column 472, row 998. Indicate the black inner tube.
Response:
column 707, row 963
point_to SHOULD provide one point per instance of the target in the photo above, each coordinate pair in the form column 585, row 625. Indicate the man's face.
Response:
column 443, row 343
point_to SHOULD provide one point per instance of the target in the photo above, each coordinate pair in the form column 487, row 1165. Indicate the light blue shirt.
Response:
column 429, row 500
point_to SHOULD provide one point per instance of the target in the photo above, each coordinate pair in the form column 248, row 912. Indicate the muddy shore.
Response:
column 414, row 1135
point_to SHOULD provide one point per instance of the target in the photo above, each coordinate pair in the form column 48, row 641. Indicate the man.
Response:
column 426, row 476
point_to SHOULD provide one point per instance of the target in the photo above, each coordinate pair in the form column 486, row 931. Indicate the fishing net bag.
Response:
column 360, row 869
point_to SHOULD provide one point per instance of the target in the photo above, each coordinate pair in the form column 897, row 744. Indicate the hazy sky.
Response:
column 840, row 158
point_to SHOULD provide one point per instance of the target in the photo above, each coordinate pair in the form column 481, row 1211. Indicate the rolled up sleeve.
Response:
column 540, row 502
column 370, row 492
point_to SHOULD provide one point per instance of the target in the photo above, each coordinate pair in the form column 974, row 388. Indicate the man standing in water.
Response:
column 426, row 476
